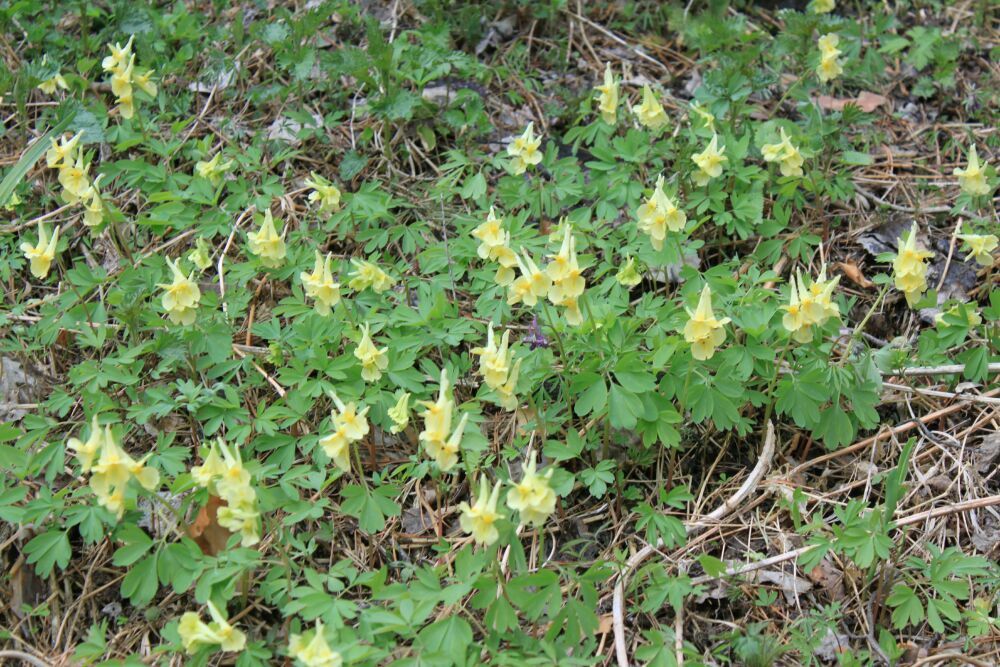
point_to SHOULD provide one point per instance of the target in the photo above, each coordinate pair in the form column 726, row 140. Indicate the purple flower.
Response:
column 535, row 338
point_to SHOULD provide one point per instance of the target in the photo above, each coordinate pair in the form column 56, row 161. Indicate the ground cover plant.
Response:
column 436, row 333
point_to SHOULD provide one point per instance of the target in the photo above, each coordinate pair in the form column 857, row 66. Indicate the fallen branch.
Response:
column 948, row 369
column 751, row 483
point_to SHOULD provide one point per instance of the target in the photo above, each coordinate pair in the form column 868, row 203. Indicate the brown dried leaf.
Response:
column 853, row 273
column 867, row 102
column 206, row 531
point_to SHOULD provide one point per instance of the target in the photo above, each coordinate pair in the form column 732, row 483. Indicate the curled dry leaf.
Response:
column 854, row 274
column 206, row 531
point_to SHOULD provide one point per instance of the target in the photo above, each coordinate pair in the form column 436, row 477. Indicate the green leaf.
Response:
column 713, row 566
column 47, row 550
column 141, row 582
column 593, row 398
column 370, row 507
column 906, row 606
column 624, row 407
column 450, row 637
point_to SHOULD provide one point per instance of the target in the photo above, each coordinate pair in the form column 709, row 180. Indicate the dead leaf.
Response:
column 829, row 577
column 853, row 273
column 866, row 101
column 605, row 624
column 206, row 531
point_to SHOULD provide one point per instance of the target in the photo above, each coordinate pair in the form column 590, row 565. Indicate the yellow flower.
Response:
column 650, row 113
column 400, row 413
column 373, row 360
column 86, row 452
column 823, row 6
column 242, row 518
column 909, row 268
column 319, row 284
column 367, row 274
column 795, row 319
column 703, row 330
column 564, row 270
column 324, row 192
column 199, row 255
column 266, row 243
column 710, row 162
column 119, row 56
column 145, row 83
column 315, row 652
column 658, row 214
column 194, row 632
column 490, row 234
column 93, row 212
column 121, row 79
column 704, row 115
column 480, row 519
column 532, row 497
column 981, row 247
column 180, row 296
column 494, row 361
column 48, row 86
column 349, row 426
column 61, row 153
column 818, row 299
column 828, row 44
column 829, row 66
column 785, row 154
column 112, row 471
column 524, row 150
column 75, row 181
column 972, row 179
column 507, row 391
column 41, row 254
column 437, row 424
column 507, row 259
column 213, row 170
column 608, row 97
column 212, row 466
column 628, row 275
column 531, row 285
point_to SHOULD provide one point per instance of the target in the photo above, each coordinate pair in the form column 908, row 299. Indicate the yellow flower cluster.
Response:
column 972, row 179
column 313, row 651
column 373, row 360
column 809, row 306
column 110, row 467
column 495, row 365
column 909, row 268
column 703, row 331
column 531, row 285
column 480, row 519
column 324, row 193
column 787, row 156
column 532, row 498
column 195, row 633
column 49, row 85
column 366, row 274
column 349, row 426
column 437, row 426
column 704, row 115
column 981, row 247
column 121, row 65
column 830, row 66
column 180, row 296
column 524, row 150
column 320, row 286
column 823, row 6
column 226, row 477
column 607, row 100
column 266, row 244
column 213, row 170
column 66, row 155
column 709, row 162
column 568, row 282
column 660, row 214
column 41, row 254
column 650, row 113
column 494, row 245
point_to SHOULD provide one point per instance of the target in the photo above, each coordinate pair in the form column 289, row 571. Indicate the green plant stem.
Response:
column 774, row 381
